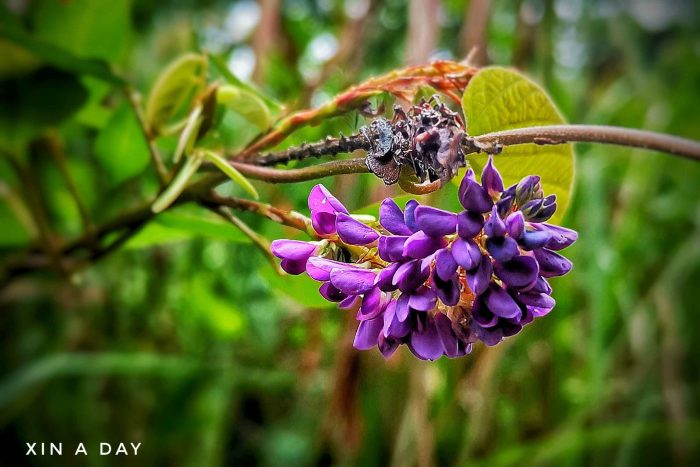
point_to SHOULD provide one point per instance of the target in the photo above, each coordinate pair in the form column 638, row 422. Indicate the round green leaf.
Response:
column 502, row 99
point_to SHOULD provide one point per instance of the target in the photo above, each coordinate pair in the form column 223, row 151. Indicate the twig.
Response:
column 561, row 134
column 327, row 169
column 56, row 150
column 259, row 241
column 156, row 159
column 328, row 147
column 289, row 218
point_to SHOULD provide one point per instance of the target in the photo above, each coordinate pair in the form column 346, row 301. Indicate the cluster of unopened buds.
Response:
column 435, row 280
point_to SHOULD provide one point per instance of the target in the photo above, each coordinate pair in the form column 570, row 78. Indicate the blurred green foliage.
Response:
column 186, row 341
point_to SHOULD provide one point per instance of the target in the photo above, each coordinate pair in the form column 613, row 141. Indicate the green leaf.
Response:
column 57, row 57
column 178, row 184
column 189, row 134
column 86, row 28
column 182, row 224
column 302, row 289
column 30, row 103
column 16, row 60
column 235, row 81
column 502, row 99
column 121, row 145
column 174, row 89
column 245, row 103
column 231, row 172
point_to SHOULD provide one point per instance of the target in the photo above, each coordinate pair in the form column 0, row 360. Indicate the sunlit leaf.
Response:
column 121, row 145
column 180, row 225
column 49, row 54
column 235, row 81
column 302, row 289
column 231, row 172
column 174, row 89
column 178, row 184
column 247, row 104
column 502, row 99
column 86, row 28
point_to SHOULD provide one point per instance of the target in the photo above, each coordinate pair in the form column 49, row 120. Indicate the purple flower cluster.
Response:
column 435, row 280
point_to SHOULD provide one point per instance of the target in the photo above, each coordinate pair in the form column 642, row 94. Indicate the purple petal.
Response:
column 387, row 346
column 450, row 343
column 424, row 299
column 508, row 328
column 320, row 268
column 435, row 222
column 489, row 336
column 391, row 218
column 494, row 225
column 505, row 205
column 293, row 249
column 540, row 286
column 539, row 300
column 491, row 180
column 479, row 279
column 552, row 264
column 390, row 247
column 385, row 276
column 294, row 267
column 321, row 200
column 411, row 275
column 354, row 232
column 353, row 281
column 393, row 328
column 469, row 224
column 371, row 304
column 561, row 236
column 323, row 222
column 402, row 307
column 527, row 188
column 447, row 291
column 473, row 196
column 501, row 303
column 534, row 239
column 466, row 253
column 408, row 214
column 515, row 225
column 368, row 333
column 519, row 272
column 427, row 344
column 502, row 249
column 420, row 245
column 349, row 302
column 483, row 316
column 331, row 293
column 445, row 264
column 538, row 312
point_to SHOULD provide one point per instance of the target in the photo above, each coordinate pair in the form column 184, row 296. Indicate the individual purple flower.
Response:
column 435, row 280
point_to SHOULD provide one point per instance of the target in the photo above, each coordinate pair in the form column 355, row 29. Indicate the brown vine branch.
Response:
column 328, row 147
column 561, row 134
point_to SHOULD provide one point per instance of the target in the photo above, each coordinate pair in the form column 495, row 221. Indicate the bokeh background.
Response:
column 186, row 341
